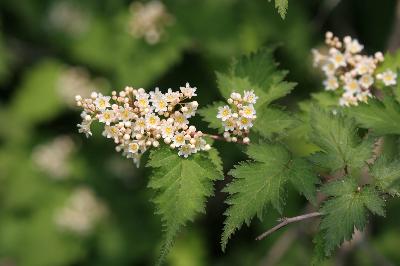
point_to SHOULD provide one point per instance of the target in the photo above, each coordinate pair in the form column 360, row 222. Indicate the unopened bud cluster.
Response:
column 237, row 117
column 349, row 71
column 137, row 120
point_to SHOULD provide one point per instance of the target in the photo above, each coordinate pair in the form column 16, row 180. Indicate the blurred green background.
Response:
column 67, row 200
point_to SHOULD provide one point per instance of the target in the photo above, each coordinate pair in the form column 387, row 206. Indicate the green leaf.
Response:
column 261, row 182
column 303, row 178
column 37, row 99
column 383, row 117
column 209, row 114
column 257, row 71
column 337, row 137
column 272, row 121
column 229, row 83
column 182, row 187
column 387, row 175
column 346, row 210
column 319, row 251
column 282, row 6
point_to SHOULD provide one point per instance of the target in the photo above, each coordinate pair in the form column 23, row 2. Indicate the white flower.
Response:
column 53, row 157
column 224, row 113
column 388, row 77
column 200, row 144
column 179, row 139
column 179, row 119
column 353, row 46
column 102, row 102
column 149, row 20
column 140, row 125
column 338, row 59
column 111, row 132
column 81, row 213
column 172, row 96
column 188, row 91
column 142, row 100
column 133, row 147
column 167, row 130
column 229, row 124
column 125, row 114
column 244, row 123
column 236, row 96
column 84, row 127
column 160, row 105
column 190, row 110
column 248, row 111
column 366, row 65
column 329, row 68
column 348, row 99
column 363, row 96
column 152, row 121
column 185, row 150
column 250, row 97
column 107, row 117
column 317, row 57
column 351, row 85
column 331, row 83
column 156, row 95
column 366, row 81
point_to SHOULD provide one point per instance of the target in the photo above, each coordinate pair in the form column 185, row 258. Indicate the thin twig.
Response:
column 286, row 221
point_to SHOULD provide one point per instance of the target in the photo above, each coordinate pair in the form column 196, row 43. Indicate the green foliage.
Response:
column 38, row 86
column 386, row 175
column 272, row 121
column 182, row 187
column 281, row 6
column 345, row 210
column 256, row 71
column 209, row 115
column 382, row 117
column 337, row 137
column 261, row 182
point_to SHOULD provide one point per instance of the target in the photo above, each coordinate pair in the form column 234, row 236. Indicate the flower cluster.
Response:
column 237, row 118
column 149, row 20
column 77, row 80
column 137, row 120
column 345, row 68
column 82, row 211
column 52, row 158
column 68, row 18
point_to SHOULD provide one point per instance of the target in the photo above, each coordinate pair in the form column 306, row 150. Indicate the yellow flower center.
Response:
column 142, row 102
column 133, row 147
column 102, row 103
column 152, row 120
column 161, row 105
